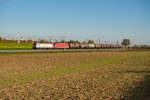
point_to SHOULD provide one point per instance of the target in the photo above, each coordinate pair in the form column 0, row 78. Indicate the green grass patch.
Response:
column 15, row 46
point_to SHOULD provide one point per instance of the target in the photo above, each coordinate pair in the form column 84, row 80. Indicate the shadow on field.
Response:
column 142, row 90
column 133, row 71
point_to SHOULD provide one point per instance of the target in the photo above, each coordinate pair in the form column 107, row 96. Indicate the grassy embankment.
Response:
column 90, row 75
column 56, row 52
column 15, row 46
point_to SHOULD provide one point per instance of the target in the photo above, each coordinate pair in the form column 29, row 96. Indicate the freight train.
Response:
column 74, row 46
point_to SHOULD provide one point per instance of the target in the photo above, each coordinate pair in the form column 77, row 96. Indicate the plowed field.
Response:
column 76, row 76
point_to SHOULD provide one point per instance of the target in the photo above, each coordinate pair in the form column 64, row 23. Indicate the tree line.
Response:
column 125, row 42
column 43, row 41
column 15, row 41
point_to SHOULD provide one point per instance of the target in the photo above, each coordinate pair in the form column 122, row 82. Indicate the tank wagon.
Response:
column 91, row 46
column 84, row 46
column 74, row 46
column 98, row 46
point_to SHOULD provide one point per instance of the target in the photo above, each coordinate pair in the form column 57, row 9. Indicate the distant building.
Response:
column 1, row 39
column 21, row 38
column 30, row 41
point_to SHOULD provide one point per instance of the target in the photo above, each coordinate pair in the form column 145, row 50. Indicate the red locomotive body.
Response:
column 61, row 45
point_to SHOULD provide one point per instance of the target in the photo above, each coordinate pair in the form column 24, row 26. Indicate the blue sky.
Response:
column 77, row 19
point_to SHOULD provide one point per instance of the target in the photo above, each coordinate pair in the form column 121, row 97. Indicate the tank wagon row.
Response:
column 74, row 46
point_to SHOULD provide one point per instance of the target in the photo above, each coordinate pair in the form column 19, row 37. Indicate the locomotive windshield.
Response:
column 34, row 45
